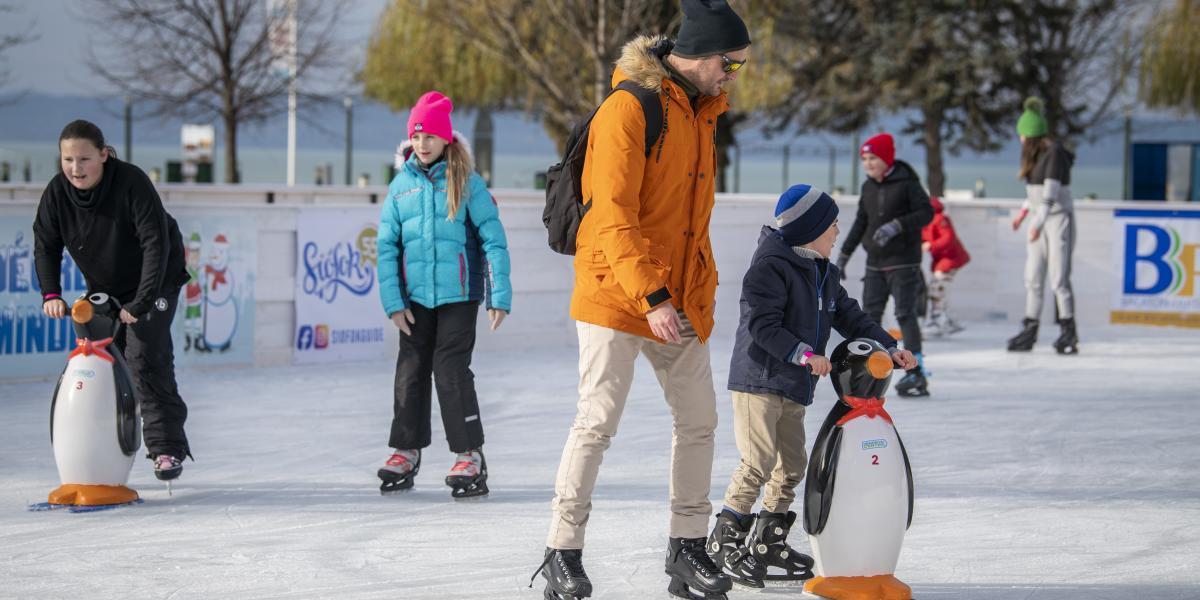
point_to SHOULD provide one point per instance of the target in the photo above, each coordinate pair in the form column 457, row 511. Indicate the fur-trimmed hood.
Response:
column 640, row 65
column 404, row 150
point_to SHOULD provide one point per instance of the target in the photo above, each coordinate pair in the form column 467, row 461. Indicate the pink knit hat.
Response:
column 431, row 115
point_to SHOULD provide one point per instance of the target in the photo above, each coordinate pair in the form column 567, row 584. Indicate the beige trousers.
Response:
column 769, row 430
column 606, row 360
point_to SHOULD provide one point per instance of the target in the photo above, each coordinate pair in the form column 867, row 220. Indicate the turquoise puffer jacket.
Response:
column 427, row 259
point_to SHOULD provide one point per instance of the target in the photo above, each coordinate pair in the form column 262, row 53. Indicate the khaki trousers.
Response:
column 769, row 430
column 606, row 361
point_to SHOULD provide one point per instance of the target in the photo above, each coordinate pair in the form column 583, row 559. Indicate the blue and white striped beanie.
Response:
column 803, row 214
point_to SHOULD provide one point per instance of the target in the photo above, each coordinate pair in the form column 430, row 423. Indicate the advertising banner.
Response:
column 214, row 323
column 338, row 314
column 1157, row 273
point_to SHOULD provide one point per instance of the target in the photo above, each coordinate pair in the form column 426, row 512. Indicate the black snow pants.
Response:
column 440, row 346
column 904, row 285
column 150, row 354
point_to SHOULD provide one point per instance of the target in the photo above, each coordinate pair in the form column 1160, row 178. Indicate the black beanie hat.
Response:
column 709, row 27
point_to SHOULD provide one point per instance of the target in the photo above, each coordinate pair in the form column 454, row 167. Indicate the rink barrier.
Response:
column 989, row 288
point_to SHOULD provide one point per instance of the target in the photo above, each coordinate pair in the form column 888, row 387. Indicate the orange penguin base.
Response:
column 877, row 587
column 92, row 495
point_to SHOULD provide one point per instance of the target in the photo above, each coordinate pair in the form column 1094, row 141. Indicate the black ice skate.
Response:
column 1068, row 341
column 912, row 385
column 1023, row 342
column 565, row 577
column 768, row 545
column 727, row 547
column 693, row 574
column 468, row 476
column 167, row 467
column 398, row 473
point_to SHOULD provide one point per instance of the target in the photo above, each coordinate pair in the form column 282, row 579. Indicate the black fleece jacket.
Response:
column 900, row 197
column 118, row 233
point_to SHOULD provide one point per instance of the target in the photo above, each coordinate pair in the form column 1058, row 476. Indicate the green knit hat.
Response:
column 1032, row 123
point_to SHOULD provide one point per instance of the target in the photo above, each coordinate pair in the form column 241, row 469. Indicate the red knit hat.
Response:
column 431, row 115
column 882, row 146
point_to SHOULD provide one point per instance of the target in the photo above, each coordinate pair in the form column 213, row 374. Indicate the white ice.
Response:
column 1037, row 477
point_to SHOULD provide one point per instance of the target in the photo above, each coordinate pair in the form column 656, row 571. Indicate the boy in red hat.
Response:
column 892, row 209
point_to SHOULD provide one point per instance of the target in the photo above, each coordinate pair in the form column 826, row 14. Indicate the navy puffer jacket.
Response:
column 790, row 301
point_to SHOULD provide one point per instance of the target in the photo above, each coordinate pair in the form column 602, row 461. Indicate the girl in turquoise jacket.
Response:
column 442, row 251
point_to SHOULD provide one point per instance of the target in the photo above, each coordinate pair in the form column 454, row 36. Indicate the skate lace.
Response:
column 398, row 460
column 567, row 561
column 693, row 551
column 465, row 465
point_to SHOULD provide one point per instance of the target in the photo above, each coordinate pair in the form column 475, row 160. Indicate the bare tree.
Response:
column 564, row 50
column 10, row 40
column 214, row 59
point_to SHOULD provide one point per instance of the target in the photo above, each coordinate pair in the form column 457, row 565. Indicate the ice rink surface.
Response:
column 1038, row 477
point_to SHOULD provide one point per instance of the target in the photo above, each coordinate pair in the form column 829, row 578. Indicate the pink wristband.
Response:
column 50, row 297
column 804, row 360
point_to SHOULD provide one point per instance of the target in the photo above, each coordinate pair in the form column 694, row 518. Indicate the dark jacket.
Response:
column 789, row 300
column 899, row 196
column 1054, row 163
column 122, row 239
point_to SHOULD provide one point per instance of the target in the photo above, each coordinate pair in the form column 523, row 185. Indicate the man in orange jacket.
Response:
column 645, row 283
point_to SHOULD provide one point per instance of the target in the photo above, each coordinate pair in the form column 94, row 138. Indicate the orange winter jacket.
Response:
column 647, row 228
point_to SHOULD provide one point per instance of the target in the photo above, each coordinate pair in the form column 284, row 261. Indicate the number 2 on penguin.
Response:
column 874, row 459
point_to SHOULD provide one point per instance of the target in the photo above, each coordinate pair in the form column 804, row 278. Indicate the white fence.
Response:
column 989, row 288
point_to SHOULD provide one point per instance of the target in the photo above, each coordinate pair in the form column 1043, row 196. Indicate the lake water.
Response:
column 759, row 173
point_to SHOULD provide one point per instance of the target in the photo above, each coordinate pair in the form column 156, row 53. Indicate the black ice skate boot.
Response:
column 398, row 473
column 565, row 577
column 727, row 547
column 1023, row 342
column 768, row 544
column 468, row 476
column 1068, row 341
column 693, row 574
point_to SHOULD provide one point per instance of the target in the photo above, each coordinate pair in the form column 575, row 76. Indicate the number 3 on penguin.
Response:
column 79, row 384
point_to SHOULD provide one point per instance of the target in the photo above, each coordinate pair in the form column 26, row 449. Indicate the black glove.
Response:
column 886, row 232
column 841, row 265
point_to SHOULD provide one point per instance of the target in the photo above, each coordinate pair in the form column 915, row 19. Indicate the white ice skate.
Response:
column 398, row 472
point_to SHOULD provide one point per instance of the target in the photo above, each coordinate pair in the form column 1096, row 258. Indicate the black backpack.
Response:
column 564, row 181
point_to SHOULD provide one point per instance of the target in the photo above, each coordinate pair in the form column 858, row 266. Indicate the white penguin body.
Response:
column 869, row 509
column 858, row 493
column 87, row 446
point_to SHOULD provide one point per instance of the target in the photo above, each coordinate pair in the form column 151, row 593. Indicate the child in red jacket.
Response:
column 949, row 256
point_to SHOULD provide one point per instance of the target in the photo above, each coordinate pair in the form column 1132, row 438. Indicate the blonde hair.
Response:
column 458, row 173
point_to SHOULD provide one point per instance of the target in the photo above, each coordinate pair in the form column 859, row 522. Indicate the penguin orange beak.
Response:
column 82, row 311
column 879, row 364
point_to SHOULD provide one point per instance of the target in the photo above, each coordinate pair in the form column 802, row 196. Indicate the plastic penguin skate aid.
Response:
column 858, row 490
column 94, row 423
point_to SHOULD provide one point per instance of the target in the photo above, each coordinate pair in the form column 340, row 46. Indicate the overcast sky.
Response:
column 56, row 62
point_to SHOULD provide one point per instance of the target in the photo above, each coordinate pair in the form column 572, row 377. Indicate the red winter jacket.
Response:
column 947, row 250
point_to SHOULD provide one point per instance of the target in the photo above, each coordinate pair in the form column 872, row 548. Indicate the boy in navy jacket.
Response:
column 792, row 297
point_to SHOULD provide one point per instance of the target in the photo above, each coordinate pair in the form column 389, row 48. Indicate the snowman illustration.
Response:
column 220, row 306
column 193, row 298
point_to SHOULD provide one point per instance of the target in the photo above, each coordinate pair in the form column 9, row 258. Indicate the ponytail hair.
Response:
column 458, row 173
column 80, row 129
column 1031, row 152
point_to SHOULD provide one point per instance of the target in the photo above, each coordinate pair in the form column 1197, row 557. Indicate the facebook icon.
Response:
column 304, row 339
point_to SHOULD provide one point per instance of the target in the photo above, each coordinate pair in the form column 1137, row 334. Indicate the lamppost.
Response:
column 348, row 102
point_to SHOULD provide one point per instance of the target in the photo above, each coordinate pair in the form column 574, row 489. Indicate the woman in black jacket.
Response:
column 108, row 216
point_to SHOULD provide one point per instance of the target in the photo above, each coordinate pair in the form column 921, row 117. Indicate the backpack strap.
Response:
column 652, row 109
